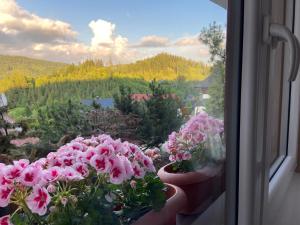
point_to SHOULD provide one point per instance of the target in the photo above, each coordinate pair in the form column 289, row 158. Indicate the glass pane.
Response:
column 279, row 92
column 112, row 112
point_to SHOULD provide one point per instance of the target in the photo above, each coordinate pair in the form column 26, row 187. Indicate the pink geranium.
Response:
column 30, row 176
column 5, row 220
column 52, row 174
column 12, row 171
column 81, row 168
column 5, row 193
column 117, row 172
column 193, row 135
column 100, row 163
column 99, row 158
column 105, row 150
column 70, row 174
column 38, row 200
column 139, row 172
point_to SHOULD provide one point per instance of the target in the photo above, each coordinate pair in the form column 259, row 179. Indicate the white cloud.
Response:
column 105, row 39
column 153, row 41
column 187, row 41
column 17, row 23
column 25, row 33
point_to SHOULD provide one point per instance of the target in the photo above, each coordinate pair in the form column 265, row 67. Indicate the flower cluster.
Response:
column 194, row 133
column 30, row 185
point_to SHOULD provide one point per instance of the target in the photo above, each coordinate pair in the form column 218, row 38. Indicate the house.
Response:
column 103, row 102
column 203, row 86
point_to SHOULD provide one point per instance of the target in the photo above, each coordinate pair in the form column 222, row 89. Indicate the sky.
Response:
column 120, row 31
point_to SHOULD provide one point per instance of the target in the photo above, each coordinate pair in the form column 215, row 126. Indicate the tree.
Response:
column 214, row 37
column 124, row 102
column 159, row 116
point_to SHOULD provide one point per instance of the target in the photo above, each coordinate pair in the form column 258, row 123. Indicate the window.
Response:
column 114, row 111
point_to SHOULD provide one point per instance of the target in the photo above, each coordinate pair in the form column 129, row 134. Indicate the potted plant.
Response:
column 197, row 155
column 87, row 181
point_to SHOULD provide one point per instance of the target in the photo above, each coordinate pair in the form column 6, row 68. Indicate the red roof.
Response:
column 145, row 97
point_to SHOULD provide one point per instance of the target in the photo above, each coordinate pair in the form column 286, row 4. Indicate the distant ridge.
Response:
column 32, row 67
column 24, row 72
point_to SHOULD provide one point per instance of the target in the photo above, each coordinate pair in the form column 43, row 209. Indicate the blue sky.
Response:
column 67, row 29
column 134, row 18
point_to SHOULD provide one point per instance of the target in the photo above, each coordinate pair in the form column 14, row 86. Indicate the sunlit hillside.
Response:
column 28, row 66
column 160, row 67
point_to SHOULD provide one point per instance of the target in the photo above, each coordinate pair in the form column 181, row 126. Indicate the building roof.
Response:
column 205, row 83
column 222, row 3
column 145, row 97
column 103, row 102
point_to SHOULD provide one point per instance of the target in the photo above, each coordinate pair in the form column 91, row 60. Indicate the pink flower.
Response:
column 127, row 166
column 51, row 188
column 64, row 201
column 5, row 193
column 172, row 158
column 148, row 164
column 52, row 174
column 38, row 200
column 40, row 162
column 105, row 150
column 90, row 153
column 53, row 159
column 133, row 184
column 5, row 220
column 81, row 157
column 68, row 160
column 77, row 146
column 117, row 173
column 138, row 171
column 21, row 163
column 186, row 156
column 81, row 168
column 100, row 163
column 68, row 173
column 4, row 180
column 30, row 176
column 12, row 171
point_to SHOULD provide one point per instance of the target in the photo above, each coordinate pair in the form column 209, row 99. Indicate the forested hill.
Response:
column 161, row 67
column 28, row 66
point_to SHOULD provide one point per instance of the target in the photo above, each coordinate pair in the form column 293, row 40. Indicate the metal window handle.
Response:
column 274, row 32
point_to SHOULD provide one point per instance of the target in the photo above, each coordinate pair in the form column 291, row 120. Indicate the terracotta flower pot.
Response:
column 201, row 187
column 176, row 201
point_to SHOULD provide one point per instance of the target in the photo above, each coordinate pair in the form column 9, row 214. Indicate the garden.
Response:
column 144, row 161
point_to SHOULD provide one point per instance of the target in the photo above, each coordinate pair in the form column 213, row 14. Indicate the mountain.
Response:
column 29, row 66
column 36, row 73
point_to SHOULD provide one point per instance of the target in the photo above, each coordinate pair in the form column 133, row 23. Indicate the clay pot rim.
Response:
column 188, row 178
column 175, row 190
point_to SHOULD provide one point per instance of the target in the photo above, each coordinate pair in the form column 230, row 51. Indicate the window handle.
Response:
column 276, row 32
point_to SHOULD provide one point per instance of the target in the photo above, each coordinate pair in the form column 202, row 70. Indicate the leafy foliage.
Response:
column 148, row 194
column 214, row 37
column 215, row 104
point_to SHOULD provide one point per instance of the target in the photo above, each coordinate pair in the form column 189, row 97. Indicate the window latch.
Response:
column 273, row 33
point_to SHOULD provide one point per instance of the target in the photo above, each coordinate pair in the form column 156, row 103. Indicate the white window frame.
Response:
column 258, row 197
